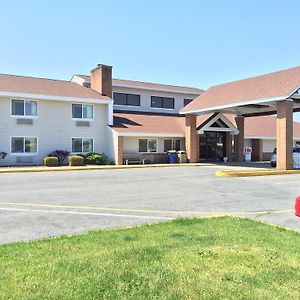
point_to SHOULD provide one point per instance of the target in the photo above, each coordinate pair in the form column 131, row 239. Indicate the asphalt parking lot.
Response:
column 37, row 205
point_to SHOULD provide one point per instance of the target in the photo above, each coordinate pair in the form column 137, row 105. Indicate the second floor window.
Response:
column 127, row 99
column 162, row 102
column 187, row 101
column 24, row 108
column 82, row 111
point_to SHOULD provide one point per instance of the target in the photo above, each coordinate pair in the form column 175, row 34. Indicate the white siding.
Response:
column 269, row 145
column 54, row 129
column 146, row 100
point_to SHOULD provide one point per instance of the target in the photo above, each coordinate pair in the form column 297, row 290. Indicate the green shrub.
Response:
column 60, row 154
column 51, row 161
column 94, row 158
column 75, row 160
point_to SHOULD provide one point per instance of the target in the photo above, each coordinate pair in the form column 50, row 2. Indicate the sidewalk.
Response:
column 33, row 169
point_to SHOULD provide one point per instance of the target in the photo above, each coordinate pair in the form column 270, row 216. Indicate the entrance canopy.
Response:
column 250, row 97
column 268, row 94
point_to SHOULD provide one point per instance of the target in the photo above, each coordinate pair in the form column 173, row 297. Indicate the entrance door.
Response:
column 212, row 146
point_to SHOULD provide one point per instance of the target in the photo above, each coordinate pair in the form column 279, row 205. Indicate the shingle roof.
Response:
column 148, row 123
column 138, row 123
column 265, row 127
column 273, row 85
column 148, row 85
column 43, row 86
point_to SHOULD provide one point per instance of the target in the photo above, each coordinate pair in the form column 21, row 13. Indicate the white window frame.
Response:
column 82, row 104
column 24, row 153
column 147, row 145
column 173, row 143
column 24, row 116
column 82, row 138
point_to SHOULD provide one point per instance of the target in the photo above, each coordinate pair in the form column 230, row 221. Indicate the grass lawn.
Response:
column 215, row 258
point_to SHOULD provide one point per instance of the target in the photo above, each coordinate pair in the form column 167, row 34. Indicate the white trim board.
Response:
column 219, row 116
column 54, row 98
column 147, row 134
column 251, row 137
column 235, row 105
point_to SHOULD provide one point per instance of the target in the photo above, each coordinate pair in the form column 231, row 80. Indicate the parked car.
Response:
column 296, row 157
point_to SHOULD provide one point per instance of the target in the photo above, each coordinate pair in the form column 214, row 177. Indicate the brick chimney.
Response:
column 101, row 80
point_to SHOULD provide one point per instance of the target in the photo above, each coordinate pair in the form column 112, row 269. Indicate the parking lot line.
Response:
column 287, row 182
column 147, row 211
column 83, row 213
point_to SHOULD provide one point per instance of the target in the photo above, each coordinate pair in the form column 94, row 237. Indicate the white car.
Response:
column 296, row 158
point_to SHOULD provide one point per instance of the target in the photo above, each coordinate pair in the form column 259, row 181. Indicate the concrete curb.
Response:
column 255, row 173
column 89, row 168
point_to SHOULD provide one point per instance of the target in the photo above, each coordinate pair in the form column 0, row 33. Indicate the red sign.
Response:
column 248, row 149
column 297, row 207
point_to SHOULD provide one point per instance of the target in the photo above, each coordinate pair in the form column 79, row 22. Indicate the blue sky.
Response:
column 194, row 43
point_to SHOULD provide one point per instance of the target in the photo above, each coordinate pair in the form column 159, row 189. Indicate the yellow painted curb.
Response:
column 255, row 173
column 86, row 168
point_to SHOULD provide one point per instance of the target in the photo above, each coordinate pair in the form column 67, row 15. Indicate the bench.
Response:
column 134, row 159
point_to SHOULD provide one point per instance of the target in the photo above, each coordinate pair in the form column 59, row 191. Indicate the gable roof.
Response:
column 278, row 85
column 223, row 123
column 155, row 125
column 148, row 85
column 12, row 84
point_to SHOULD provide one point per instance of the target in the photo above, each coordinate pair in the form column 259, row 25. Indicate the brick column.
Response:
column 119, row 156
column 239, row 139
column 257, row 149
column 191, row 138
column 285, row 135
column 229, row 146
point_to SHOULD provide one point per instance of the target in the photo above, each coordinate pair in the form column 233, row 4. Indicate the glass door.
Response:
column 212, row 146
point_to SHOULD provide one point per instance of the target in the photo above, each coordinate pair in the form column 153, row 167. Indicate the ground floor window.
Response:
column 171, row 144
column 147, row 145
column 21, row 145
column 82, row 145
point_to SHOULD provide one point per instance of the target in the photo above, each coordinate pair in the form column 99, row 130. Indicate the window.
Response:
column 23, row 145
column 187, row 101
column 127, row 99
column 82, row 111
column 162, row 102
column 143, row 145
column 24, row 108
column 156, row 102
column 82, row 145
column 147, row 145
column 168, row 145
column 171, row 144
